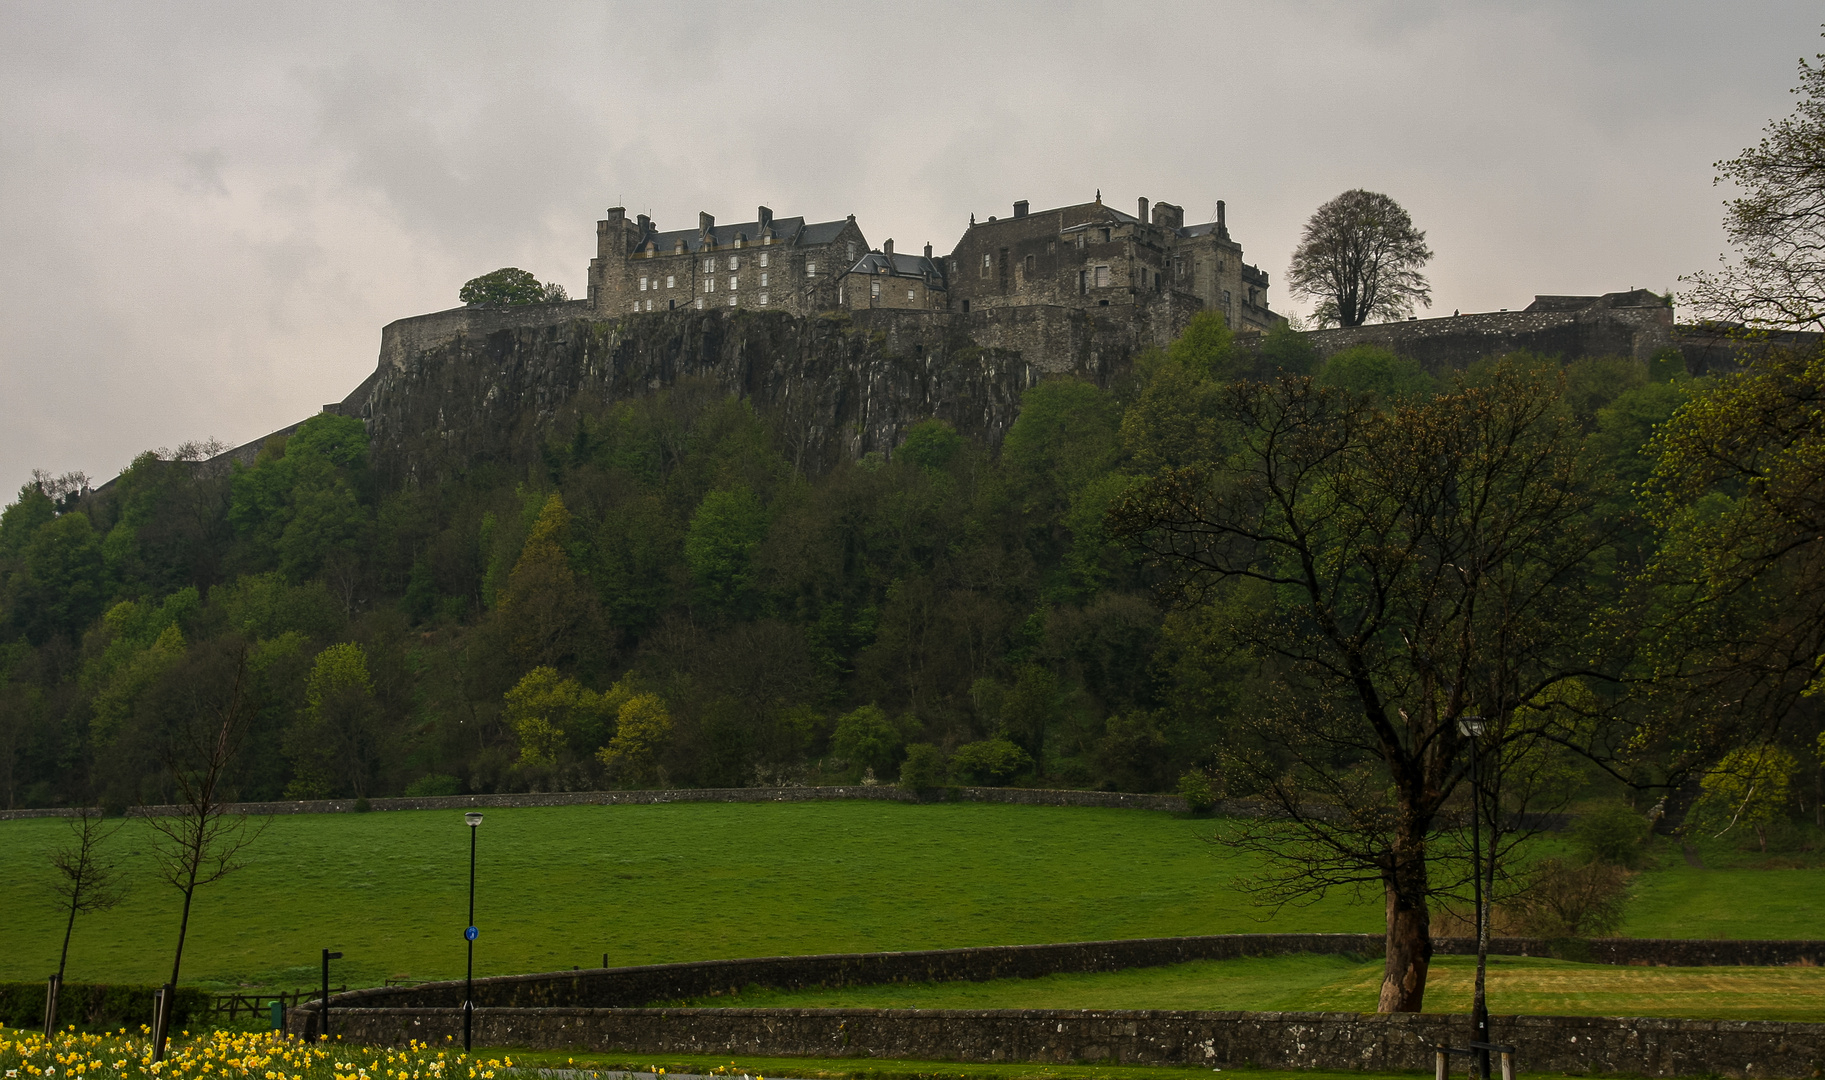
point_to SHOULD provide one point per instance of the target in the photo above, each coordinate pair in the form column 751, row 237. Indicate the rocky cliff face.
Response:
column 467, row 386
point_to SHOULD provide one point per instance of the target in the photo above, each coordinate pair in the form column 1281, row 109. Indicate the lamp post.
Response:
column 473, row 820
column 1472, row 728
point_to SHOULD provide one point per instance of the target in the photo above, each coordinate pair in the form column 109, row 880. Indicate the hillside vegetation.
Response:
column 665, row 601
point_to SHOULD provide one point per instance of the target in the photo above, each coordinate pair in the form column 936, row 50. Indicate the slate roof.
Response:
column 897, row 265
column 786, row 230
column 1205, row 229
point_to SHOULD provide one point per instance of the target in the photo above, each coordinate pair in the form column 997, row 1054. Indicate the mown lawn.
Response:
column 1340, row 984
column 562, row 886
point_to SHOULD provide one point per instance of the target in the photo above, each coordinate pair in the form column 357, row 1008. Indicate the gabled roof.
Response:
column 897, row 265
column 786, row 230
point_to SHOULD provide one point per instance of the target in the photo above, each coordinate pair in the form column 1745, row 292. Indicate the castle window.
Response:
column 636, row 307
column 709, row 284
column 734, row 282
column 1105, row 236
column 1051, row 247
column 731, row 301
column 909, row 294
column 810, row 269
column 668, row 281
column 987, row 259
column 649, row 305
column 642, row 284
column 1082, row 282
column 709, row 265
column 1030, row 262
column 875, row 292
column 850, row 248
column 763, row 259
column 1102, row 277
column 763, row 278
column 1225, row 297
column 700, row 303
column 763, row 299
column 734, row 263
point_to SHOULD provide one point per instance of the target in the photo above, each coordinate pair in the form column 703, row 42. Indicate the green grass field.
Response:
column 687, row 881
column 1339, row 984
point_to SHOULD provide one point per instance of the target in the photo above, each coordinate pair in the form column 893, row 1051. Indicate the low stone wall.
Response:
column 883, row 792
column 633, row 987
column 1289, row 1040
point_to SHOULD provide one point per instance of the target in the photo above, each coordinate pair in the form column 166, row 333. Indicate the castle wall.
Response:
column 1454, row 342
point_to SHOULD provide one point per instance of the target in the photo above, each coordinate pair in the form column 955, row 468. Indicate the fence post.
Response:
column 1440, row 1069
column 1508, row 1065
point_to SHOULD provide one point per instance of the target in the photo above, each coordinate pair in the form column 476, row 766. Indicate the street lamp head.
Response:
column 472, row 818
column 1472, row 726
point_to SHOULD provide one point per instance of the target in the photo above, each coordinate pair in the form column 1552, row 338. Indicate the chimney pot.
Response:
column 1020, row 209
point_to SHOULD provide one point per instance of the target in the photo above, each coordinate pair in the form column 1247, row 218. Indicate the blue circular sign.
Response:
column 472, row 933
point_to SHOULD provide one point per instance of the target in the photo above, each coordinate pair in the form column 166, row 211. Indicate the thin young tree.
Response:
column 1398, row 570
column 1360, row 257
column 204, row 714
column 86, row 881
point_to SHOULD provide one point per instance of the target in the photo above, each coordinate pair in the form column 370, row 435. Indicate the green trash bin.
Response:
column 278, row 1016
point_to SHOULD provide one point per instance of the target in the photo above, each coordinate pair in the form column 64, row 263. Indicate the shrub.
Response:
column 867, row 740
column 98, row 1006
column 923, row 768
column 434, row 785
column 1198, row 791
column 507, row 287
column 1566, row 900
column 992, row 762
column 1611, row 834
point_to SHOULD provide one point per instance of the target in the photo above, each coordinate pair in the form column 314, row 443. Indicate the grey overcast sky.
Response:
column 208, row 210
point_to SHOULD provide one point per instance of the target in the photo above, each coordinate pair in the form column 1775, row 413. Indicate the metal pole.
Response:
column 1479, row 1012
column 469, row 977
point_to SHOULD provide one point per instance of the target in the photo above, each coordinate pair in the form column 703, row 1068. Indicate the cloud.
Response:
column 212, row 208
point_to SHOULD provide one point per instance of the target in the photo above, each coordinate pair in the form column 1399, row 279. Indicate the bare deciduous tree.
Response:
column 1400, row 570
column 1360, row 257
column 205, row 718
column 1777, row 225
column 85, row 882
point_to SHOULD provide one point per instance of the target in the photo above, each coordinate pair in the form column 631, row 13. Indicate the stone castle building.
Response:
column 780, row 264
column 1084, row 256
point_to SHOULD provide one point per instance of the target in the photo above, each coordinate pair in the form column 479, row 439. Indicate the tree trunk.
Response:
column 1409, row 943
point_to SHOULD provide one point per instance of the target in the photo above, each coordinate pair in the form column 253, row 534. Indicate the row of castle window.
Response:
column 709, row 284
column 647, row 305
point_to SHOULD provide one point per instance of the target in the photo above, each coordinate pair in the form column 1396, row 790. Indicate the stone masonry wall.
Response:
column 1454, row 342
column 1285, row 1040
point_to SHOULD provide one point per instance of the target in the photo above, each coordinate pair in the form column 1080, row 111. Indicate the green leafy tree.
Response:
column 61, row 583
column 868, row 740
column 506, row 287
column 1376, row 372
column 338, row 740
column 1360, row 257
column 929, row 444
column 1206, row 348
column 923, row 768
column 549, row 618
column 557, row 718
column 993, row 762
column 643, row 729
column 719, row 548
column 1751, row 787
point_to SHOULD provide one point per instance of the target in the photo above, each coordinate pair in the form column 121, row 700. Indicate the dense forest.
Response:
column 663, row 600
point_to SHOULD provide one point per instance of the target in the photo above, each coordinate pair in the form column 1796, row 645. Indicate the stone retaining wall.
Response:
column 1289, row 1040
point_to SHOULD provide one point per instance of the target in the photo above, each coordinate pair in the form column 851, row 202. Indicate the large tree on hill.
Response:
column 1397, row 570
column 1777, row 225
column 1360, row 257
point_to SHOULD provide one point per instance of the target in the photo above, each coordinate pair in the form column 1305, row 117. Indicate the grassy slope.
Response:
column 1335, row 983
column 561, row 886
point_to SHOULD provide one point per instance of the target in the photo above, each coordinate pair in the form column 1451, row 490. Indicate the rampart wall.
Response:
column 1456, row 341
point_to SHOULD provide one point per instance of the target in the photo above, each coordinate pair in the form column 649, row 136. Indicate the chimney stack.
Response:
column 1020, row 209
column 1143, row 214
column 766, row 218
column 1222, row 229
column 887, row 247
column 705, row 222
column 928, row 249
